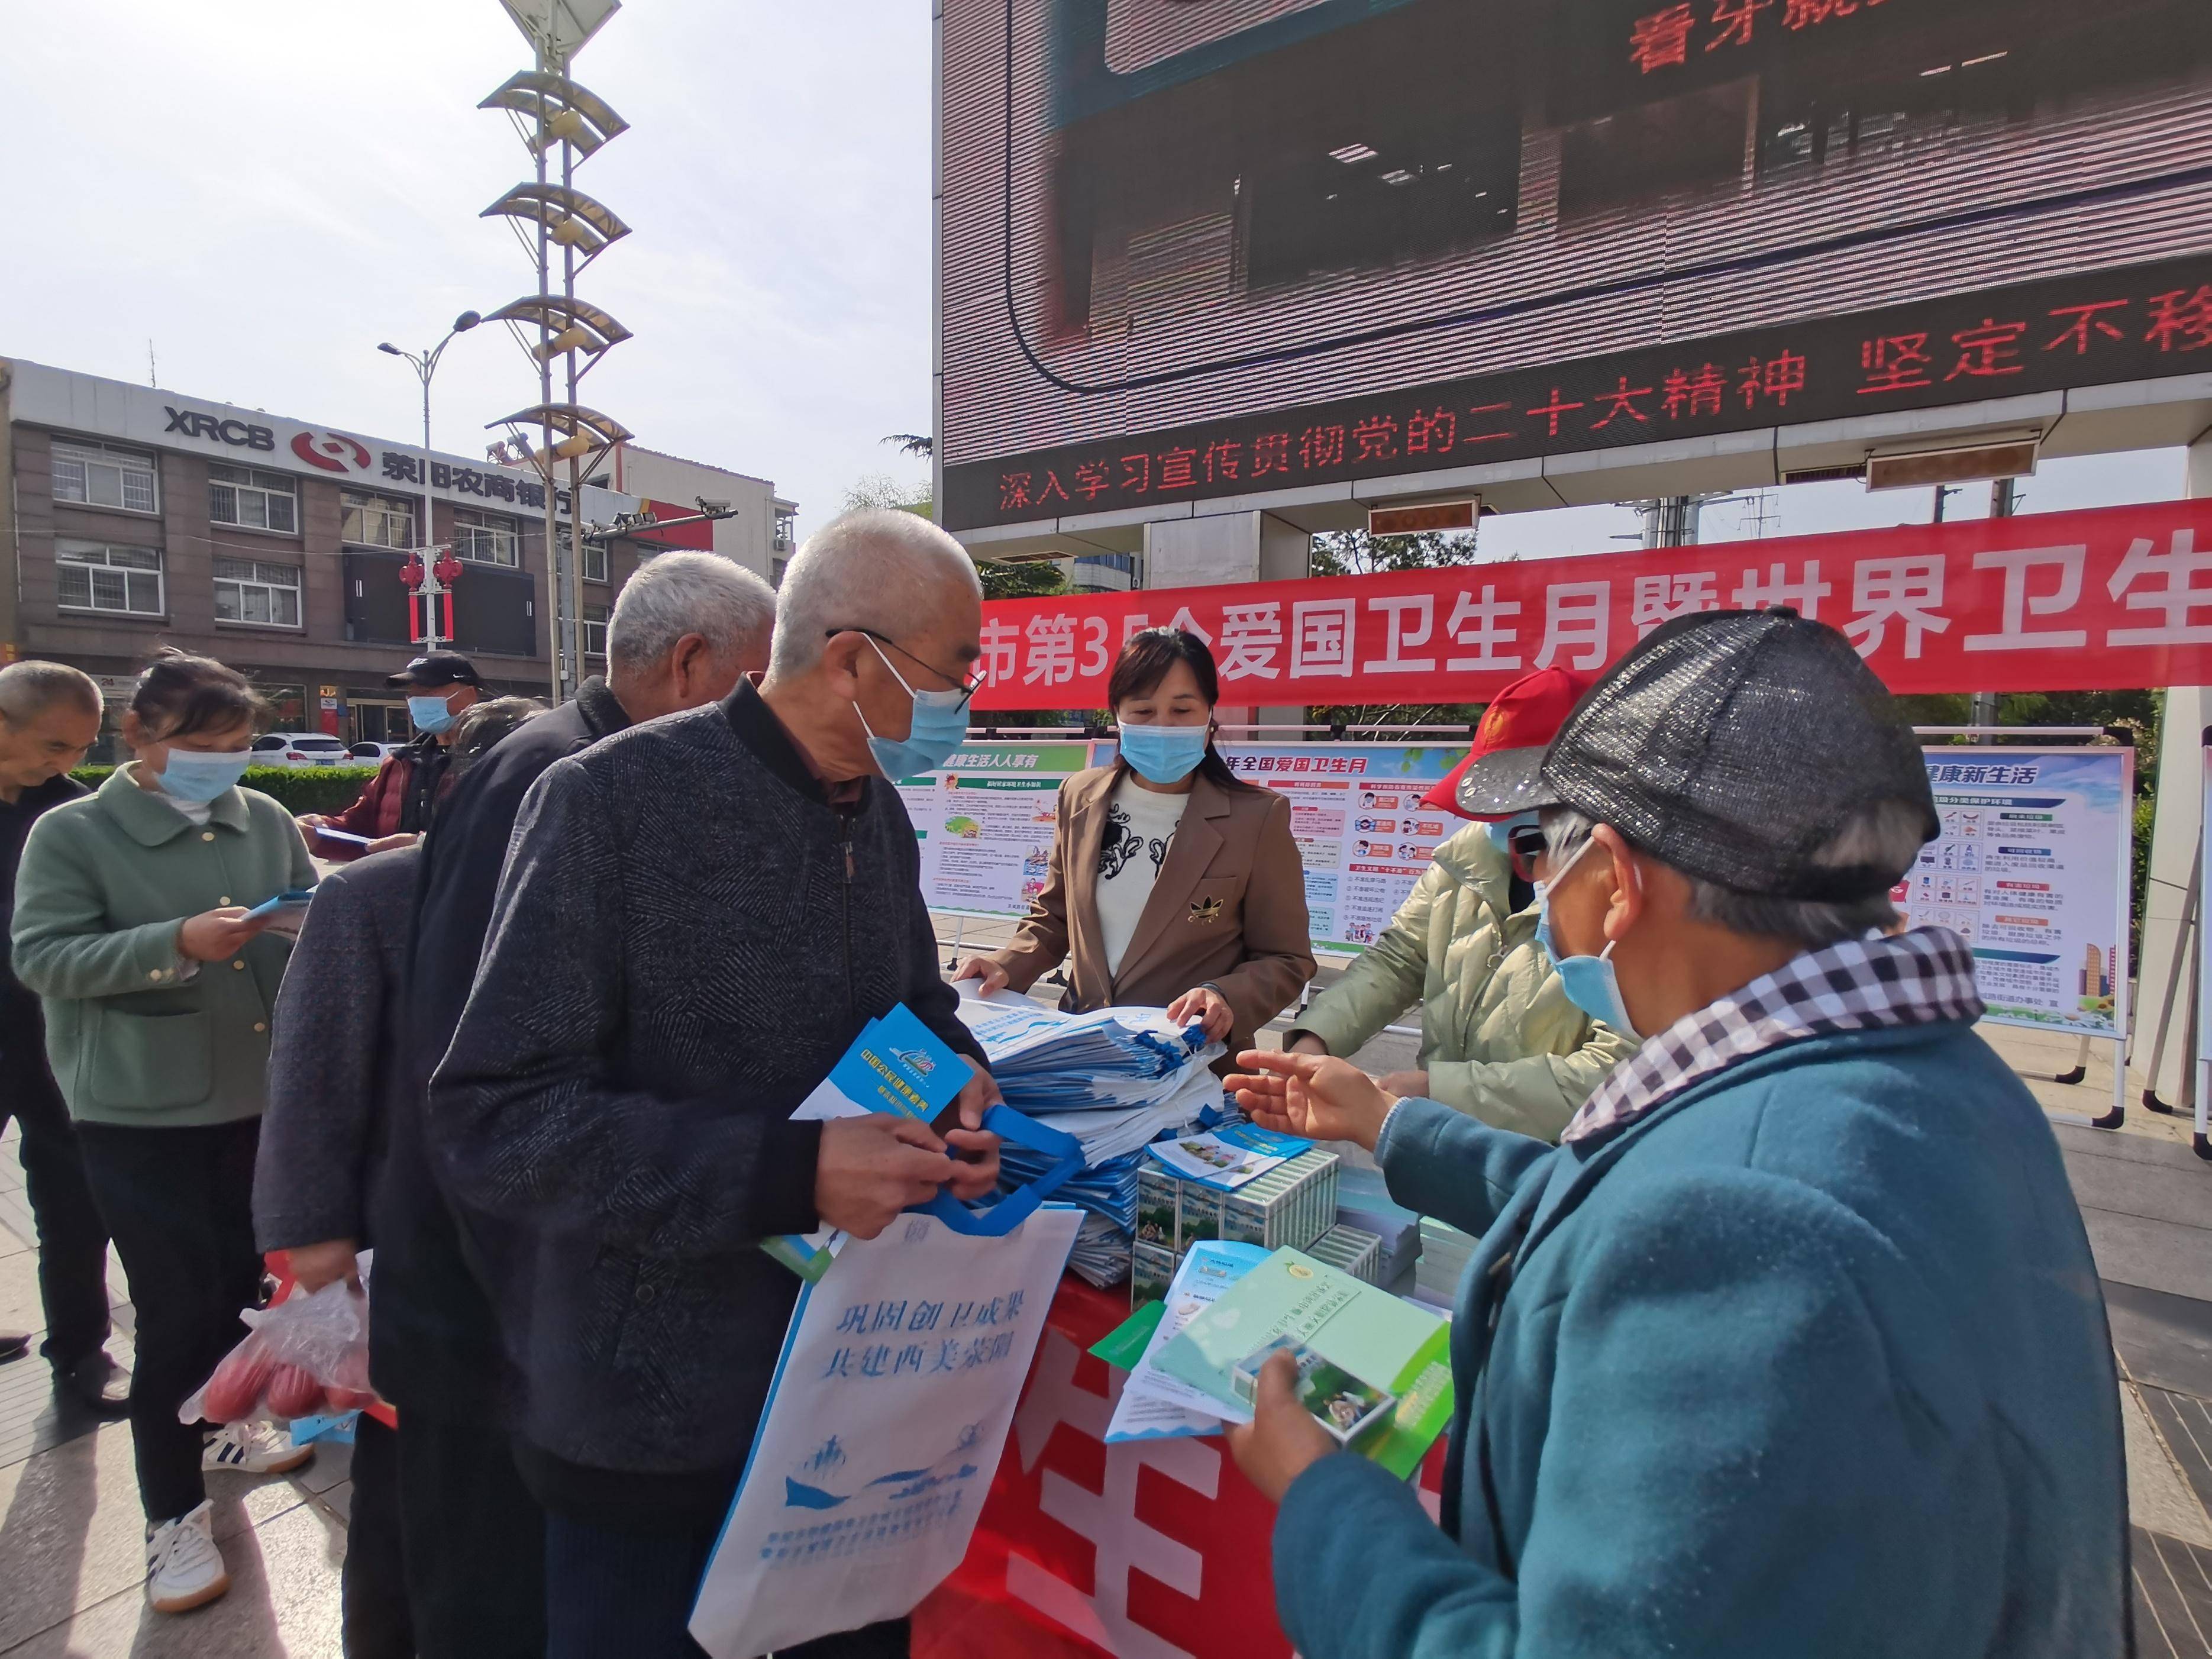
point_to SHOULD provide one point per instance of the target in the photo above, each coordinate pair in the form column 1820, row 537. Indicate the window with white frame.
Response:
column 250, row 590
column 367, row 521
column 595, row 561
column 100, row 475
column 93, row 576
column 252, row 499
column 486, row 537
column 595, row 630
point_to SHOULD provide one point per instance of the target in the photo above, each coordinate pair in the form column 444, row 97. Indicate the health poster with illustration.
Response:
column 983, row 825
column 1361, row 829
column 2031, row 869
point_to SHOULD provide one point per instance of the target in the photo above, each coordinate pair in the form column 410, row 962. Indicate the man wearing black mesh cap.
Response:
column 1794, row 1345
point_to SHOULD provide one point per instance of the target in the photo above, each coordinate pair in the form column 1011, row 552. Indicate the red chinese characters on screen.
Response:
column 1665, row 38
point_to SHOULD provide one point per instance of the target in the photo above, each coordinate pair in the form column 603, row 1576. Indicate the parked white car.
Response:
column 303, row 748
column 374, row 754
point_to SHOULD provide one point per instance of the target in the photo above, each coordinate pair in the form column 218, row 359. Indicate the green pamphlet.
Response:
column 1395, row 1347
column 1124, row 1345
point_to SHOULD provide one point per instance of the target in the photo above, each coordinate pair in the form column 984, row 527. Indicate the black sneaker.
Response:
column 97, row 1383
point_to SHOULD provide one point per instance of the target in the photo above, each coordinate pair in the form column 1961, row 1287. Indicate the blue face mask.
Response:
column 1501, row 832
column 429, row 715
column 188, row 774
column 1163, row 753
column 1589, row 982
column 939, row 727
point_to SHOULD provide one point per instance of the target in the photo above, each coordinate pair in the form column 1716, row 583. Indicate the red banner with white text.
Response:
column 2106, row 599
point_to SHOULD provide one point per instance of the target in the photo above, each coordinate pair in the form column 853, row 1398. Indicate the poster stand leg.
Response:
column 2183, row 936
column 959, row 933
column 2081, row 1066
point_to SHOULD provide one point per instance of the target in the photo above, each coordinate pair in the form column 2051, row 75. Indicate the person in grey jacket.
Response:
column 697, row 917
column 338, row 1070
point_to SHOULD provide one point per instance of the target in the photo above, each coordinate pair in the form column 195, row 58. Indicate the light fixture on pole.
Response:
column 554, row 116
column 428, row 576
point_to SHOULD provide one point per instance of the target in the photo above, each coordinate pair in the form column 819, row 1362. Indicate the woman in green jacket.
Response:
column 131, row 924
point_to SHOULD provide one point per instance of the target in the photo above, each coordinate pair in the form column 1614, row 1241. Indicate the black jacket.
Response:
column 336, row 1068
column 432, row 1345
column 22, row 1029
column 688, row 936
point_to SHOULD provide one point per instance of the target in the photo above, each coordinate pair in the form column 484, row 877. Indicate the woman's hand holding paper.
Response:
column 1311, row 1095
column 1282, row 1441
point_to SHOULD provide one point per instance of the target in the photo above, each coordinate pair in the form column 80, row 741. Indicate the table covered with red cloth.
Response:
column 1153, row 1550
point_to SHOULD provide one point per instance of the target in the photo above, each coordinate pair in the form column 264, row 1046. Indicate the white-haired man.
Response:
column 697, row 919
column 49, row 716
column 685, row 628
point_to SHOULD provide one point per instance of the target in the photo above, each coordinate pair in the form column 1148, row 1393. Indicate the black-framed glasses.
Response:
column 967, row 685
column 1524, row 850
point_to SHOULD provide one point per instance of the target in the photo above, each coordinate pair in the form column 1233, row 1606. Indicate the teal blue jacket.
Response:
column 1812, row 1361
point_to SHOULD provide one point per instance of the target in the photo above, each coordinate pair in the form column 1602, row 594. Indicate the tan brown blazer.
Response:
column 1228, row 910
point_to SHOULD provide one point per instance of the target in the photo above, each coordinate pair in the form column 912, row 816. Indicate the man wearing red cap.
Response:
column 1499, row 1040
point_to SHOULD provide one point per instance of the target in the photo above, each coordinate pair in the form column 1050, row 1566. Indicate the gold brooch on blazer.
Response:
column 1205, row 910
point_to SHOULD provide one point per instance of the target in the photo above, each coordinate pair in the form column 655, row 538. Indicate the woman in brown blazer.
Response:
column 1172, row 884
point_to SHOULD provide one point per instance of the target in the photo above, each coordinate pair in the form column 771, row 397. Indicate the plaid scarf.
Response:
column 1859, row 985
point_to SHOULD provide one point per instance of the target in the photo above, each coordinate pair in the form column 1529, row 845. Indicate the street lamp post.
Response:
column 425, row 364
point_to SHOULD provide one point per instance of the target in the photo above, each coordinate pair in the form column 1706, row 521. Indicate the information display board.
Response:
column 984, row 823
column 1362, row 832
column 2032, row 871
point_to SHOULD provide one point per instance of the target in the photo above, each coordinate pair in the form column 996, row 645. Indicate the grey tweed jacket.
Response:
column 687, row 936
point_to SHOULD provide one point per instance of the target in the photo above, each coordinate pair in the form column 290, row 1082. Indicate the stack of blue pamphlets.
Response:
column 1110, row 1059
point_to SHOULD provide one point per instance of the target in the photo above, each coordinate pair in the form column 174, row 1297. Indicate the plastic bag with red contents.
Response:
column 306, row 1355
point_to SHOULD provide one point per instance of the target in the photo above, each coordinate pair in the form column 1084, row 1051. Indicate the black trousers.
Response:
column 475, row 1541
column 72, row 1238
column 627, row 1595
column 179, row 1203
column 377, row 1624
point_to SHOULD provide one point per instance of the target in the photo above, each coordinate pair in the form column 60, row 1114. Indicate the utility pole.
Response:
column 2003, row 502
column 428, row 568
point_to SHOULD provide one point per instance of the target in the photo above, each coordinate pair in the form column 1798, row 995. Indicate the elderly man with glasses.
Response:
column 1499, row 1040
column 697, row 917
column 1794, row 1345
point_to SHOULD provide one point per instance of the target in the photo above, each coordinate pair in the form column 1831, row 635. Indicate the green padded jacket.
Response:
column 104, row 886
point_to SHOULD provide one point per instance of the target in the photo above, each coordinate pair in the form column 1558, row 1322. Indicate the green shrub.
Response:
column 325, row 789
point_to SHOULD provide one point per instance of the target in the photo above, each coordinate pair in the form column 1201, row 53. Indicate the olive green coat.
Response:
column 105, row 887
column 1499, row 1040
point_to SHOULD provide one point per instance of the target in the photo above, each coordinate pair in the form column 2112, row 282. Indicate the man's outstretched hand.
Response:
column 1311, row 1095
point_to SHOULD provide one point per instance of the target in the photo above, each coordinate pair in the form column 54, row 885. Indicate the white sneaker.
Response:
column 184, row 1568
column 253, row 1449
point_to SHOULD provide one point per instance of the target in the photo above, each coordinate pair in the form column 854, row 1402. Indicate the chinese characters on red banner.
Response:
column 2121, row 597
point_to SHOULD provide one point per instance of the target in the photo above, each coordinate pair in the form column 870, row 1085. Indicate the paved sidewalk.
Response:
column 70, row 1561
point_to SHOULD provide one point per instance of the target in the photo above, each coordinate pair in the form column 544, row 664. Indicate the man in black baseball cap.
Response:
column 1794, row 1343
column 396, row 806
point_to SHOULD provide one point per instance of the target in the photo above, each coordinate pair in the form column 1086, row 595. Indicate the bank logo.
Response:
column 329, row 451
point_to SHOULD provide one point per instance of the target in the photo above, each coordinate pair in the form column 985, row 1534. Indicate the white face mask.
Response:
column 1589, row 982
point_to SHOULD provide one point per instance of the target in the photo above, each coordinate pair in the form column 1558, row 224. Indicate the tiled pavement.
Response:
column 69, row 1530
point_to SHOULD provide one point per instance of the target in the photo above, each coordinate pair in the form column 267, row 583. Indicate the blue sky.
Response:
column 264, row 189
